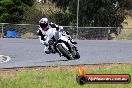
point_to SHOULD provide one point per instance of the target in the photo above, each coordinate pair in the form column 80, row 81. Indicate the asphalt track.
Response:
column 29, row 52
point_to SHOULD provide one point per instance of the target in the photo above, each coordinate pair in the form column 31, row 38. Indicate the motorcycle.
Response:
column 62, row 45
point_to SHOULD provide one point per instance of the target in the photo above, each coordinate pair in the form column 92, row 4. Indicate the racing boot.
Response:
column 46, row 50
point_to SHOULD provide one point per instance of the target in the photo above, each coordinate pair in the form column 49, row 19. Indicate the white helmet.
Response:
column 43, row 22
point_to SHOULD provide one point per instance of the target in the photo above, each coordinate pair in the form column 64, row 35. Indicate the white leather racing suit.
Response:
column 45, row 36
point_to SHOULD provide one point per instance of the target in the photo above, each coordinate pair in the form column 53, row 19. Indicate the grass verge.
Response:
column 60, row 77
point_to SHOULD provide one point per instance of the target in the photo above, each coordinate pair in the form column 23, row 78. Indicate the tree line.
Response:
column 11, row 11
column 103, row 13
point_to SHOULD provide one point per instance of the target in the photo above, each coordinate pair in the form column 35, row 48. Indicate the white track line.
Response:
column 4, row 59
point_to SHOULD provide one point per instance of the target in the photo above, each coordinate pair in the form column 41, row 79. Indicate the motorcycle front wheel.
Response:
column 65, row 52
column 77, row 56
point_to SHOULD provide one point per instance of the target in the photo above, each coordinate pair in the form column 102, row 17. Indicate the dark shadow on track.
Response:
column 56, row 60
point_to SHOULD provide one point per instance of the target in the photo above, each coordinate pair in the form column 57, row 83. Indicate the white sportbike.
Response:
column 63, row 45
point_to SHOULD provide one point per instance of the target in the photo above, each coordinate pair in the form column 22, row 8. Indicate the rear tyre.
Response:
column 65, row 52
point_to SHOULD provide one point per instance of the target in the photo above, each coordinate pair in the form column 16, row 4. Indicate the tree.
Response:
column 12, row 10
column 32, row 16
column 95, row 12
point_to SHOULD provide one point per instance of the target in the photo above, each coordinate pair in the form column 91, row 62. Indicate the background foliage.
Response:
column 92, row 13
column 11, row 11
column 96, row 12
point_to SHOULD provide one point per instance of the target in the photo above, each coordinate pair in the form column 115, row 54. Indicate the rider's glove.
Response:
column 67, row 33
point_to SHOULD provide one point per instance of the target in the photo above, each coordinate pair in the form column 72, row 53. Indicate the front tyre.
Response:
column 77, row 56
column 64, row 52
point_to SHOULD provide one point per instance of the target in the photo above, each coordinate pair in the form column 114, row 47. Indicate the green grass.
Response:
column 62, row 78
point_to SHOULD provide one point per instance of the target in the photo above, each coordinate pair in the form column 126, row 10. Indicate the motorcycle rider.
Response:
column 47, row 31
